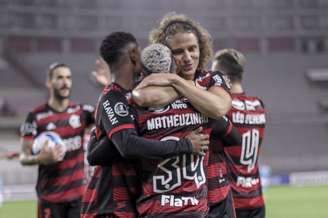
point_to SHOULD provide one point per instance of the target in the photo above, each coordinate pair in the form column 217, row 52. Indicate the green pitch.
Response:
column 19, row 209
column 282, row 202
column 297, row 202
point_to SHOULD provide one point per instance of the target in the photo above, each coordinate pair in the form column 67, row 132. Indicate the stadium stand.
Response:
column 10, row 78
column 84, row 90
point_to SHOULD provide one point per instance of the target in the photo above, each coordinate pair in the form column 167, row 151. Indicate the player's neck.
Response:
column 236, row 88
column 124, row 78
column 59, row 105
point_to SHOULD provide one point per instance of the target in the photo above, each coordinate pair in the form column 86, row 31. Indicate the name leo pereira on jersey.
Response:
column 238, row 117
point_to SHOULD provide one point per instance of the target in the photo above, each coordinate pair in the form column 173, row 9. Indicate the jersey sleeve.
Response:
column 224, row 130
column 28, row 129
column 101, row 152
column 220, row 80
column 134, row 146
column 115, row 114
column 127, row 144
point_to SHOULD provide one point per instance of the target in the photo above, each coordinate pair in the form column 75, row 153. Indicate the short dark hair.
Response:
column 111, row 47
column 53, row 67
column 230, row 67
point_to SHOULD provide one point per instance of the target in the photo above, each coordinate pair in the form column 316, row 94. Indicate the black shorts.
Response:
column 59, row 210
column 223, row 209
column 258, row 212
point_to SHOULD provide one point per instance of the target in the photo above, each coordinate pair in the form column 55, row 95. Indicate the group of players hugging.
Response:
column 171, row 138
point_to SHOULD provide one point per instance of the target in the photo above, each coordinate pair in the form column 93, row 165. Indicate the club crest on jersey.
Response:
column 74, row 121
column 121, row 109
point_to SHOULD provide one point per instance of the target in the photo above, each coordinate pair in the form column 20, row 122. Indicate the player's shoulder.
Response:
column 73, row 107
column 87, row 107
column 254, row 99
column 244, row 96
column 248, row 100
column 209, row 78
column 39, row 108
column 203, row 74
column 114, row 92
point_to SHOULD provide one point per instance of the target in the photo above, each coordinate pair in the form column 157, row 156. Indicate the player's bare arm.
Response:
column 154, row 96
column 214, row 102
column 46, row 155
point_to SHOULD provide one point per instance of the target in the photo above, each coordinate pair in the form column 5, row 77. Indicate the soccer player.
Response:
column 61, row 179
column 185, row 119
column 191, row 46
column 249, row 116
column 175, row 187
column 114, row 187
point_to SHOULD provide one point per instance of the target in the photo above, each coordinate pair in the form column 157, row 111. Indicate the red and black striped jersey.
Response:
column 65, row 180
column 224, row 135
column 175, row 186
column 249, row 116
column 112, row 190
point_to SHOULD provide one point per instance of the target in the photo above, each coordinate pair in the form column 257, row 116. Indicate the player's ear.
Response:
column 48, row 79
column 48, row 85
column 134, row 54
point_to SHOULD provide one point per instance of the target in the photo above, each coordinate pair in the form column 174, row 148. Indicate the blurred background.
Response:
column 285, row 43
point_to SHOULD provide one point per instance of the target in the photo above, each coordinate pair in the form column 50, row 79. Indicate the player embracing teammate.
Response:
column 170, row 105
column 150, row 145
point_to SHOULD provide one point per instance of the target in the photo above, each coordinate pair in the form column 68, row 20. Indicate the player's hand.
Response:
column 101, row 74
column 92, row 140
column 199, row 141
column 50, row 155
column 157, row 79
